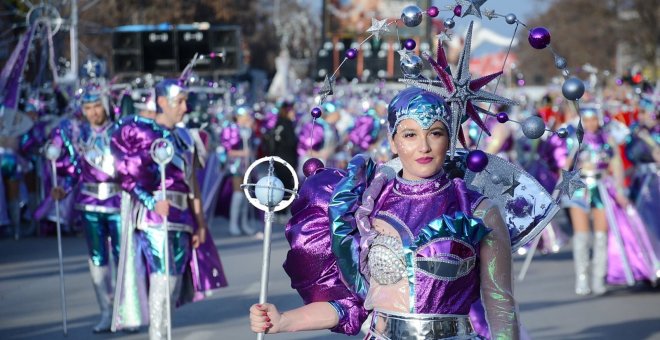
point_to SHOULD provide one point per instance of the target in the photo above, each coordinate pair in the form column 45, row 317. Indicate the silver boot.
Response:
column 581, row 260
column 102, row 280
column 158, row 311
column 235, row 213
column 599, row 263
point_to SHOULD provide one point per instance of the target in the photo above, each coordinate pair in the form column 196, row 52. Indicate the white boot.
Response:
column 581, row 260
column 15, row 218
column 102, row 281
column 235, row 213
column 599, row 264
column 158, row 311
column 246, row 227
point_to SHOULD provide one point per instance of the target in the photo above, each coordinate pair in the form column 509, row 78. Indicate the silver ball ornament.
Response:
column 450, row 23
column 573, row 88
column 411, row 66
column 510, row 18
column 53, row 152
column 269, row 191
column 533, row 127
column 412, row 16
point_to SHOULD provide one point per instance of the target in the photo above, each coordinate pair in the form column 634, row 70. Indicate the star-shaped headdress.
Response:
column 460, row 91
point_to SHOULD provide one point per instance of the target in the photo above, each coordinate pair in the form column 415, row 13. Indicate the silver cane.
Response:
column 52, row 154
column 162, row 152
column 269, row 192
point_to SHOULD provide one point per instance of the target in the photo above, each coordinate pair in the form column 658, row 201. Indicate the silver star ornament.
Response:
column 378, row 27
column 570, row 182
column 471, row 7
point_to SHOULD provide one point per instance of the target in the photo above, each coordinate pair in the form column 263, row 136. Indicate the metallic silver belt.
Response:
column 102, row 191
column 177, row 199
column 402, row 326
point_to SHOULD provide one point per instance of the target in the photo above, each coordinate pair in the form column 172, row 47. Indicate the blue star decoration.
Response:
column 570, row 182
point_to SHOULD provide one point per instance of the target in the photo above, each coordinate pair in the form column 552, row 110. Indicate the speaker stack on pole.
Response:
column 166, row 49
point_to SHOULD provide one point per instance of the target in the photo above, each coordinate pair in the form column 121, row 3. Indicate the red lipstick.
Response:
column 424, row 160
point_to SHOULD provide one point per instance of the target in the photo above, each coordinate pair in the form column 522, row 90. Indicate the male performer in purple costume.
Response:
column 88, row 162
column 193, row 258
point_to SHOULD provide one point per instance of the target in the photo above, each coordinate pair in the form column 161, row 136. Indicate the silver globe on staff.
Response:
column 162, row 152
column 269, row 198
column 53, row 153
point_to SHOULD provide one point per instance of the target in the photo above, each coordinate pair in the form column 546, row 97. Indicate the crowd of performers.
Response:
column 106, row 155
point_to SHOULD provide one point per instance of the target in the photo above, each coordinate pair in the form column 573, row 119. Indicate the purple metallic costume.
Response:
column 412, row 252
column 193, row 272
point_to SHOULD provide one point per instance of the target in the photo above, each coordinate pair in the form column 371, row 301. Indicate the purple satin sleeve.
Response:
column 310, row 263
column 131, row 145
column 230, row 138
column 67, row 164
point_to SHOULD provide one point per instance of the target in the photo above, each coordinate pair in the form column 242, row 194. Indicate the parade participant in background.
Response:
column 624, row 258
column 281, row 141
column 86, row 161
column 643, row 149
column 237, row 139
column 195, row 267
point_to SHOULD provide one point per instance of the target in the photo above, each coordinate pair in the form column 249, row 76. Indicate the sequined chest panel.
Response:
column 95, row 148
column 597, row 152
column 393, row 258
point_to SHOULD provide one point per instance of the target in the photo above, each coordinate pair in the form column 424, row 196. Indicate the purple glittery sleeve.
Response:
column 310, row 263
column 130, row 144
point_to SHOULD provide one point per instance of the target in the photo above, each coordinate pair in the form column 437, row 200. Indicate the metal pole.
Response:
column 73, row 36
column 528, row 258
column 265, row 262
column 167, row 255
column 59, row 251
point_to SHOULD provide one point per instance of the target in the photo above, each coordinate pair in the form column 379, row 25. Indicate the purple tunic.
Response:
column 140, row 175
column 432, row 218
column 86, row 161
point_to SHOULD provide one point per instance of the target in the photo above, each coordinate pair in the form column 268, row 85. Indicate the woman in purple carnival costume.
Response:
column 237, row 140
column 621, row 251
column 415, row 248
column 195, row 267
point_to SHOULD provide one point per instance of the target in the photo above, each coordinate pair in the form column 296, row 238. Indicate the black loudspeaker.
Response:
column 375, row 60
column 227, row 41
column 127, row 52
column 349, row 69
column 191, row 42
column 159, row 54
column 324, row 61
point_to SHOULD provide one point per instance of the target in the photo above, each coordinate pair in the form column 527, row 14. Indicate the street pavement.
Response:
column 30, row 302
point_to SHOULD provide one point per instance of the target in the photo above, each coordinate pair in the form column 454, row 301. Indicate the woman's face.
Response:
column 591, row 123
column 422, row 152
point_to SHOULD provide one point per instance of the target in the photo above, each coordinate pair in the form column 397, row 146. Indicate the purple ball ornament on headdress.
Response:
column 311, row 166
column 539, row 37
